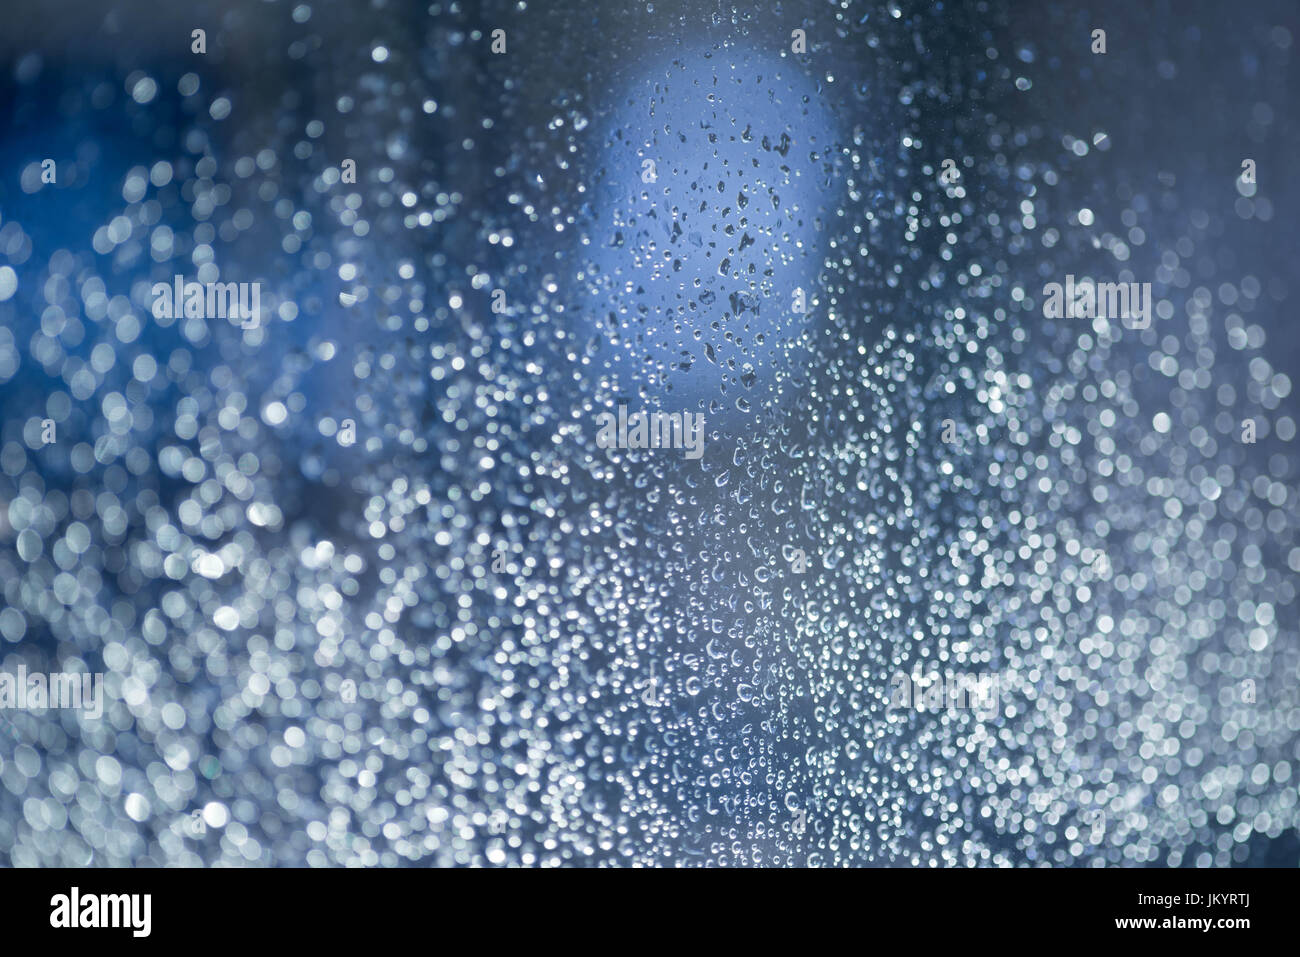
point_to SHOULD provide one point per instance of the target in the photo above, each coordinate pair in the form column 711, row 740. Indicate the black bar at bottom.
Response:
column 257, row 907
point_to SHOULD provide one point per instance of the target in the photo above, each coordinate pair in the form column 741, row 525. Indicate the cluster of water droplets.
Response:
column 366, row 589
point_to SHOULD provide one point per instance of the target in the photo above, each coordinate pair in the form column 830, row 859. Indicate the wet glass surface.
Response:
column 955, row 578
